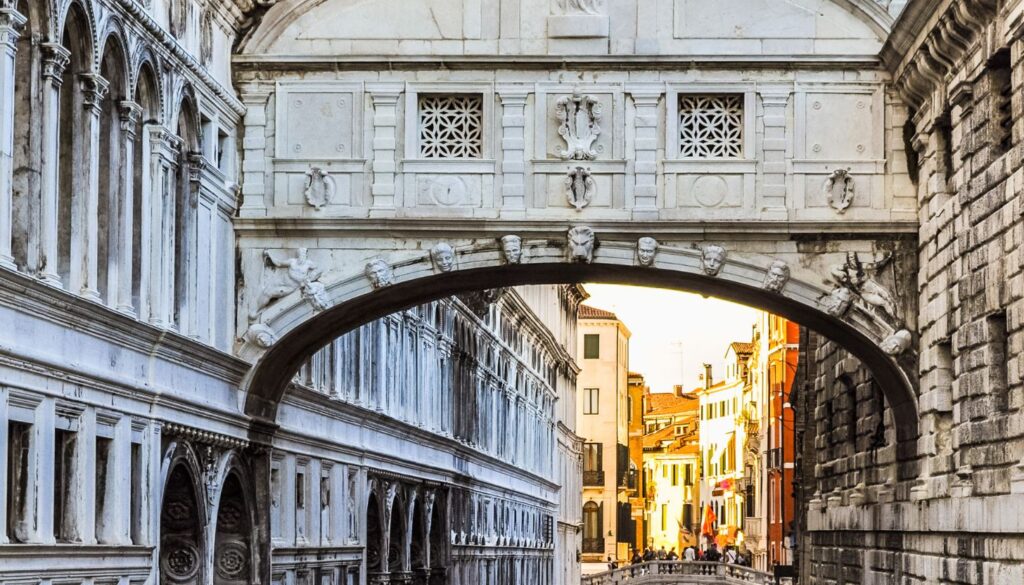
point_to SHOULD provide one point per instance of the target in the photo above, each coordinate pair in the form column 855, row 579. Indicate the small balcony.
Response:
column 775, row 458
column 593, row 478
column 593, row 545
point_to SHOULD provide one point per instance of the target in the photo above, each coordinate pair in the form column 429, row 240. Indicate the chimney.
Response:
column 707, row 376
column 679, row 389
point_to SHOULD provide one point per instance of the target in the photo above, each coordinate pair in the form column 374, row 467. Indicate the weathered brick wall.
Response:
column 954, row 515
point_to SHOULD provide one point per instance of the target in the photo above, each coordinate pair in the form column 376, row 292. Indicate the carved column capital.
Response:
column 196, row 164
column 11, row 22
column 129, row 113
column 94, row 90
column 55, row 60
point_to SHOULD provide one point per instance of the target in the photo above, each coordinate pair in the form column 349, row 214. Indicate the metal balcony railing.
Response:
column 593, row 478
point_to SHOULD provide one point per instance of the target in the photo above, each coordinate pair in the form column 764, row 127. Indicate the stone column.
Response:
column 254, row 145
column 188, row 317
column 55, row 60
column 157, row 246
column 645, row 167
column 129, row 114
column 513, row 146
column 385, row 143
column 10, row 30
column 119, row 480
column 775, row 101
column 85, row 217
column 40, row 491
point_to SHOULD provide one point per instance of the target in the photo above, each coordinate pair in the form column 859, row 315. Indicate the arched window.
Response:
column 72, row 157
column 184, row 213
column 111, row 209
column 27, row 152
column 147, row 96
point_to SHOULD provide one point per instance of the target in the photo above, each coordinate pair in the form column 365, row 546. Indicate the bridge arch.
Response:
column 295, row 328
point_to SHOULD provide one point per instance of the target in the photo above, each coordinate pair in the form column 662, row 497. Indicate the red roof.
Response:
column 668, row 403
column 588, row 312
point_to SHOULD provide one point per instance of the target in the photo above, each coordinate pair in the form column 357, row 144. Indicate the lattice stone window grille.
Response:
column 451, row 126
column 710, row 126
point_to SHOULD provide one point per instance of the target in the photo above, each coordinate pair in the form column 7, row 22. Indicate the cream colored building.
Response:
column 602, row 395
column 671, row 470
column 722, row 440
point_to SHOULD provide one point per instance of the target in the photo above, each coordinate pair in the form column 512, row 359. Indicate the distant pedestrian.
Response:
column 649, row 555
column 612, row 565
column 690, row 554
column 637, row 559
column 713, row 555
column 730, row 555
column 672, row 555
column 661, row 553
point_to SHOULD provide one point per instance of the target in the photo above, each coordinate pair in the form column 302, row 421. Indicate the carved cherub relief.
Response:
column 300, row 272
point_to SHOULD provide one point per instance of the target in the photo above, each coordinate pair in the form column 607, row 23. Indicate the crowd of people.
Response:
column 711, row 554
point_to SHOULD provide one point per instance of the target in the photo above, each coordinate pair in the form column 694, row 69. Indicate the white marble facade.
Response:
column 186, row 184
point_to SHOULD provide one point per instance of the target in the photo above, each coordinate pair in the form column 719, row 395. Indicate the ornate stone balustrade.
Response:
column 679, row 573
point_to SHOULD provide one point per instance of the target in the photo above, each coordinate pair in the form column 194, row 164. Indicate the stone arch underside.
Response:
column 301, row 330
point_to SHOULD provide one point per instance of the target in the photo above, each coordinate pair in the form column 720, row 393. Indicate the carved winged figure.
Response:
column 300, row 273
column 853, row 274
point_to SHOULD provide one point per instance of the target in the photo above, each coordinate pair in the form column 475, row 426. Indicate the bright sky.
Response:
column 674, row 332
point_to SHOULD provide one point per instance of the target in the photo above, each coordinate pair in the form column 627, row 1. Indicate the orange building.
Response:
column 777, row 341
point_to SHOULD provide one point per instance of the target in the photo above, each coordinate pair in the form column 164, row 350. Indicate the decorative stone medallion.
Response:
column 320, row 188
column 233, row 561
column 579, row 116
column 839, row 189
column 180, row 560
column 579, row 187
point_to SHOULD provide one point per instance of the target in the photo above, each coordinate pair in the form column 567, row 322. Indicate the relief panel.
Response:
column 316, row 123
column 604, row 109
column 444, row 190
column 709, row 191
column 840, row 126
column 296, row 185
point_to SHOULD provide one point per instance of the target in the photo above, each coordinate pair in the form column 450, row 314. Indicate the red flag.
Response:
column 708, row 527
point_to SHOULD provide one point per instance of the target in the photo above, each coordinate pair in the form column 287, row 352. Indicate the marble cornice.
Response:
column 249, row 62
column 475, row 228
column 929, row 41
column 29, row 295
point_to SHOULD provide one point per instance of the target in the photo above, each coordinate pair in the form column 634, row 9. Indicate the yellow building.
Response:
column 671, row 463
column 602, row 396
column 636, row 402
column 723, row 485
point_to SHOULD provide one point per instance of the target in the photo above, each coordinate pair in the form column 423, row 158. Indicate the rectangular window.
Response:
column 629, row 409
column 591, row 401
column 451, row 126
column 688, row 470
column 592, row 460
column 300, row 490
column 64, row 446
column 137, row 487
column 675, row 474
column 710, row 126
column 997, row 360
column 591, row 346
column 275, row 498
column 19, row 445
column 664, row 517
column 688, row 516
column 1000, row 79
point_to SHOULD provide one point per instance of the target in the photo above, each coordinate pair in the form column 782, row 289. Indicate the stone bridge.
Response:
column 680, row 573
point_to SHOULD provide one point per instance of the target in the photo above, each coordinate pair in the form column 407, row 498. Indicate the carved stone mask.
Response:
column 581, row 244
column 443, row 257
column 379, row 273
column 712, row 258
column 646, row 248
column 897, row 343
column 838, row 302
column 512, row 248
column 777, row 277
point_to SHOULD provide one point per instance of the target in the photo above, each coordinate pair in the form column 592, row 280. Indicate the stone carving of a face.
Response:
column 443, row 257
column 512, row 248
column 838, row 302
column 581, row 244
column 260, row 335
column 712, row 258
column 777, row 277
column 379, row 273
column 897, row 343
column 646, row 248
